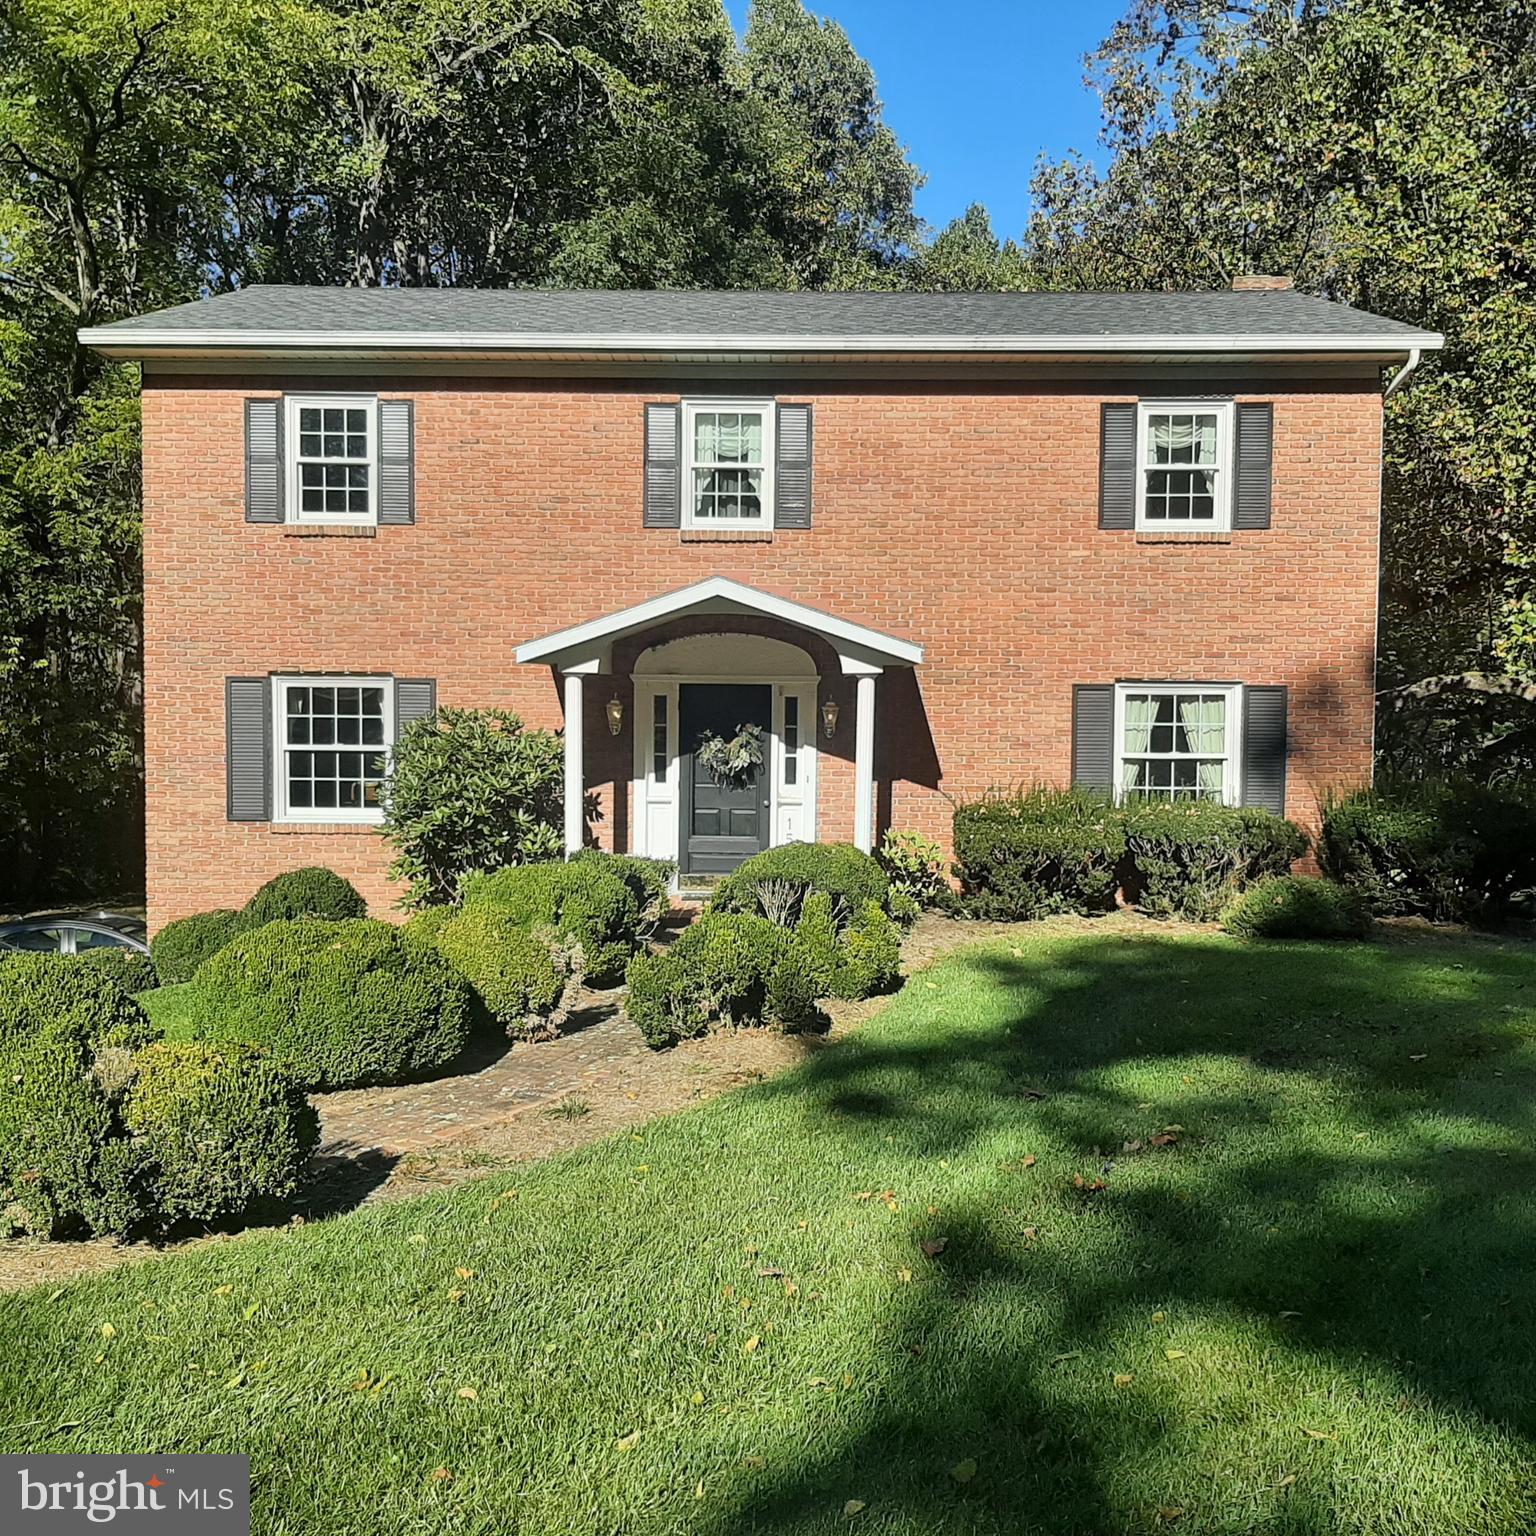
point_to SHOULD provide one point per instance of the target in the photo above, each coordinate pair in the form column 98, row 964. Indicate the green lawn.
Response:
column 1312, row 1311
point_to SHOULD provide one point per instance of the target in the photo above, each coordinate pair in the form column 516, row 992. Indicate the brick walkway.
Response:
column 417, row 1117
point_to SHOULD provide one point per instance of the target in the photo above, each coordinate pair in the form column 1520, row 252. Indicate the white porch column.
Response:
column 575, row 821
column 864, row 764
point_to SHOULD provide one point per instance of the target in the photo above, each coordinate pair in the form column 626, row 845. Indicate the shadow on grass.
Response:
column 1349, row 1196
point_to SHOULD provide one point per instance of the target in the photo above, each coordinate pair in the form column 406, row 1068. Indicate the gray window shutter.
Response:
column 1117, row 466
column 1253, row 456
column 1093, row 736
column 248, row 748
column 792, row 468
column 1264, row 711
column 263, row 461
column 663, row 466
column 397, row 461
column 415, row 698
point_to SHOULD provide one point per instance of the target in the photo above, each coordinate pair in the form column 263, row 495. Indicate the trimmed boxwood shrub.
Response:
column 649, row 882
column 218, row 1127
column 131, row 969
column 716, row 974
column 1189, row 858
column 857, row 961
column 1446, row 851
column 775, row 884
column 311, row 892
column 585, row 902
column 1038, row 852
column 519, row 976
column 1294, row 907
column 181, row 946
column 340, row 1004
column 84, row 1002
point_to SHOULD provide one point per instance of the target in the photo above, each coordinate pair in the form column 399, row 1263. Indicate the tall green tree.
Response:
column 1383, row 152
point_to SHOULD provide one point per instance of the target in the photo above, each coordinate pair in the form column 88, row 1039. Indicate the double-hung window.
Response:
column 333, row 458
column 1184, row 474
column 331, row 737
column 1177, row 741
column 728, row 478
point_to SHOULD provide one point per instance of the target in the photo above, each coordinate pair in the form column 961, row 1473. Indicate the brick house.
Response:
column 927, row 544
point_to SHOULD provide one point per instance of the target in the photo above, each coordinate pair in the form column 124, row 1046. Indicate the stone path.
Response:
column 417, row 1117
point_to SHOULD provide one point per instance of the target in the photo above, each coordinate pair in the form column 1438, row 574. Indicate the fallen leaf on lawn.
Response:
column 237, row 1380
column 108, row 1331
column 768, row 1272
column 468, row 1392
column 54, row 1295
column 1159, row 1317
column 1164, row 1139
column 751, row 1345
column 1175, row 1354
column 934, row 1246
column 753, row 1463
column 1029, row 1234
column 99, row 1358
column 904, row 1275
column 1091, row 1187
column 379, row 1385
column 223, row 1290
column 417, row 1237
column 1071, row 1354
column 964, row 1471
column 1422, row 1056
column 696, row 1399
column 698, row 1491
column 933, row 1210
column 1287, row 1481
column 1290, row 1314
column 790, row 1288
column 456, row 1294
column 1124, row 1378
column 251, row 1311
column 847, row 1379
column 818, row 1381
column 464, row 1274
column 854, row 1506
column 1028, row 1162
column 1132, row 1146
column 1318, row 1434
column 628, row 1442
column 441, row 1475
column 1172, row 1512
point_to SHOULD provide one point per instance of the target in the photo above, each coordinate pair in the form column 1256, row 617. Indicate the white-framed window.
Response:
column 332, row 448
column 1184, row 474
column 1178, row 741
column 331, row 739
column 728, row 481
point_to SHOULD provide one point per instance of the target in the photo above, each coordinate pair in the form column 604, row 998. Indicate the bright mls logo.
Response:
column 166, row 1496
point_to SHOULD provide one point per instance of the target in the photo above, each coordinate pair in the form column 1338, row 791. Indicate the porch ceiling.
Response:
column 588, row 647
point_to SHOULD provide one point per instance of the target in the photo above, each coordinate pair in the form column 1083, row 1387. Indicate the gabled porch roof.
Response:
column 587, row 647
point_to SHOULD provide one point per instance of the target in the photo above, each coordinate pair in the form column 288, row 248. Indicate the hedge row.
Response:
column 104, row 1129
column 1042, row 851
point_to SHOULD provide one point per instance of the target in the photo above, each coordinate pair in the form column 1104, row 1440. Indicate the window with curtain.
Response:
column 730, row 448
column 1176, row 743
column 1185, row 455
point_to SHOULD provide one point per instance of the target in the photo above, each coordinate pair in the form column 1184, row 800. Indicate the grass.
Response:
column 1309, row 1311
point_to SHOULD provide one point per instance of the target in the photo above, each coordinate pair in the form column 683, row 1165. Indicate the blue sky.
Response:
column 977, row 89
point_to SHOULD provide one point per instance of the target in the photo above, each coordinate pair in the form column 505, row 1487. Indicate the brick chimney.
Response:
column 1260, row 282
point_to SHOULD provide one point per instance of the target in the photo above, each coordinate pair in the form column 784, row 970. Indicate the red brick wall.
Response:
column 962, row 517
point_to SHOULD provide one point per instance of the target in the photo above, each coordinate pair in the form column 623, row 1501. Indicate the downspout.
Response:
column 1401, row 376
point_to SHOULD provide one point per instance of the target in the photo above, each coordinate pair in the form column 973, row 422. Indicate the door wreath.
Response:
column 732, row 762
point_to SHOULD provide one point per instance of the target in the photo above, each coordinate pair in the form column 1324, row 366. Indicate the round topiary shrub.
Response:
column 776, row 883
column 82, row 1001
column 311, row 892
column 131, row 969
column 219, row 1127
column 519, row 976
column 869, row 954
column 65, row 1029
column 340, row 1004
column 181, row 946
column 586, row 902
column 1294, row 907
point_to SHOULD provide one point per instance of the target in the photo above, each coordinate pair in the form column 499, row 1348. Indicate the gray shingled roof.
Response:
column 423, row 312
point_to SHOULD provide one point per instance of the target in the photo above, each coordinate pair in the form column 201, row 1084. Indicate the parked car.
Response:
column 73, row 933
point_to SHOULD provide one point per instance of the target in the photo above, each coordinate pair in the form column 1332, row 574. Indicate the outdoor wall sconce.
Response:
column 829, row 713
column 615, row 715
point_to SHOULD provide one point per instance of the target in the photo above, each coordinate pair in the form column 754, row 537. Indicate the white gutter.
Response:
column 129, row 341
column 1415, row 354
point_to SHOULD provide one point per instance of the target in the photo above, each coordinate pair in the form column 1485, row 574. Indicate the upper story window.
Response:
column 729, row 477
column 1184, row 453
column 1177, row 741
column 333, row 455
column 331, row 738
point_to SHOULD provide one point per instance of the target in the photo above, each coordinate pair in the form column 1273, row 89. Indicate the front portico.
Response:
column 698, row 681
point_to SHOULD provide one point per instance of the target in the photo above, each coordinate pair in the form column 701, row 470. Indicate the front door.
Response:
column 723, row 822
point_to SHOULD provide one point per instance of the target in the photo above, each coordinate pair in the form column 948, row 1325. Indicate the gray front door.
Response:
column 722, row 823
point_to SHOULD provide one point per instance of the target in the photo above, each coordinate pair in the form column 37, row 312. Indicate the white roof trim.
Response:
column 860, row 648
column 127, row 342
